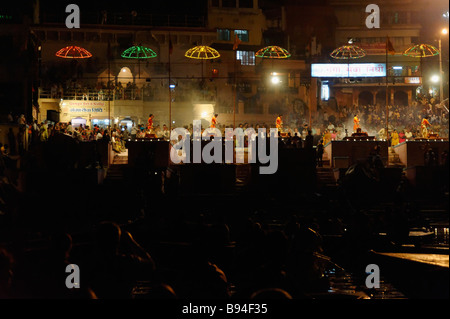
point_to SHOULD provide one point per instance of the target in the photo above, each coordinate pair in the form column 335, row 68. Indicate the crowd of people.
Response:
column 404, row 120
column 218, row 262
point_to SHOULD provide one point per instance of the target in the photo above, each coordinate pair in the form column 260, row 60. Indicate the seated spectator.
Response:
column 118, row 261
column 6, row 273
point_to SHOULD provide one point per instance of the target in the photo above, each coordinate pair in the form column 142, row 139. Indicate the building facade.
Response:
column 109, row 89
column 400, row 25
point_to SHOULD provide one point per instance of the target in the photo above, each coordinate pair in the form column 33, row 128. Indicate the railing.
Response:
column 137, row 94
column 93, row 95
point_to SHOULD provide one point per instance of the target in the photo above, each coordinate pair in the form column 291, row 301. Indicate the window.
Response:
column 245, row 3
column 183, row 39
column 246, row 57
column 229, row 3
column 196, row 39
column 78, row 36
column 223, row 34
column 325, row 91
column 92, row 36
column 242, row 35
column 161, row 38
column 399, row 41
column 52, row 35
column 245, row 87
column 65, row 36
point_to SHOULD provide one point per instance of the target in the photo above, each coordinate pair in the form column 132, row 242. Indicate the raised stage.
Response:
column 424, row 171
column 412, row 152
column 345, row 153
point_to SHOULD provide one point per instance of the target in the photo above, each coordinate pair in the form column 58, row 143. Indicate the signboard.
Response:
column 75, row 106
column 344, row 70
column 84, row 109
column 378, row 48
column 412, row 80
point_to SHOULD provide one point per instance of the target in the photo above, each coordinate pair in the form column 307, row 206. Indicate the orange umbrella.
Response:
column 73, row 52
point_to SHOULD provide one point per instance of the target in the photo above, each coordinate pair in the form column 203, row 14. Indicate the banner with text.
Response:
column 330, row 70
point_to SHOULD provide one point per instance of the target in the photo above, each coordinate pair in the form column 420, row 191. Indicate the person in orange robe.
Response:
column 355, row 123
column 279, row 122
column 150, row 122
column 214, row 121
column 424, row 127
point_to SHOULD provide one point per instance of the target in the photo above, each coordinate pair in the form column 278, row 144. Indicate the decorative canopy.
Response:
column 73, row 52
column 202, row 52
column 348, row 52
column 138, row 52
column 421, row 51
column 273, row 52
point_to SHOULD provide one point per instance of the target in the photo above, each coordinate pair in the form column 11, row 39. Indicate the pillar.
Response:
column 355, row 96
column 313, row 96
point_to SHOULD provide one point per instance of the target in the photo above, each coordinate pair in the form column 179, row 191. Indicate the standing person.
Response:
column 43, row 133
column 402, row 136
column 395, row 138
column 150, row 122
column 133, row 132
column 56, row 129
column 22, row 122
column 309, row 140
column 408, row 134
column 214, row 121
column 12, row 141
column 35, row 133
column 279, row 123
column 319, row 153
column 165, row 133
column 125, row 134
column 69, row 128
column 355, row 123
column 424, row 127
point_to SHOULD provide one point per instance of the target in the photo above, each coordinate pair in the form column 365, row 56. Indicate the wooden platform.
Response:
column 345, row 153
column 440, row 260
column 412, row 153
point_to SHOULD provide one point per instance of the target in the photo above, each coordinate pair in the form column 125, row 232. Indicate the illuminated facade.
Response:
column 399, row 21
column 236, row 84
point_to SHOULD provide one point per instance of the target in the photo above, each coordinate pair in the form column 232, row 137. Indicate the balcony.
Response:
column 125, row 18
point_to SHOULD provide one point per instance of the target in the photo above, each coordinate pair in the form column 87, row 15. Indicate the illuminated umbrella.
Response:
column 138, row 52
column 421, row 51
column 73, row 52
column 346, row 52
column 202, row 52
column 273, row 52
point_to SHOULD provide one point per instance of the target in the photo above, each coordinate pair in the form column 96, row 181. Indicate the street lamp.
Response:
column 275, row 79
column 435, row 78
column 441, row 85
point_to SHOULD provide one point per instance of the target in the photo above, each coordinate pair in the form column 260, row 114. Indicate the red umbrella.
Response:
column 73, row 52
